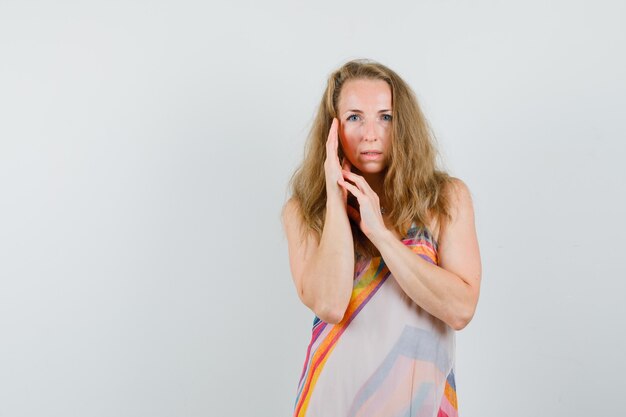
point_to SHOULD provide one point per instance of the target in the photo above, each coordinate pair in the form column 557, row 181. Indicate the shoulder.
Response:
column 291, row 212
column 459, row 230
column 294, row 224
column 292, row 205
column 459, row 199
column 459, row 196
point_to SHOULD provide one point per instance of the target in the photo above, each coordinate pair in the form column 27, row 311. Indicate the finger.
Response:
column 336, row 133
column 332, row 134
column 344, row 192
column 333, row 131
column 337, row 139
column 353, row 189
column 360, row 182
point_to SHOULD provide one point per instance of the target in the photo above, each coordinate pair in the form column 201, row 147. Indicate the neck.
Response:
column 376, row 182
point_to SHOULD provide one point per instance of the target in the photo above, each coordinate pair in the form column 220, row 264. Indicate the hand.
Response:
column 368, row 216
column 332, row 167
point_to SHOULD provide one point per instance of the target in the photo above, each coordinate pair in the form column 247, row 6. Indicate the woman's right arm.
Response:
column 323, row 271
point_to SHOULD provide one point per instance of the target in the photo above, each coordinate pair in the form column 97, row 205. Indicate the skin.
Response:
column 449, row 290
column 323, row 268
column 364, row 110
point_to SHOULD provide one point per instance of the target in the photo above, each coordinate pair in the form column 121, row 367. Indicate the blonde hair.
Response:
column 413, row 186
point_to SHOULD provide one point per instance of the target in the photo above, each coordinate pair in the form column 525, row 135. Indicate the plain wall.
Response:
column 145, row 149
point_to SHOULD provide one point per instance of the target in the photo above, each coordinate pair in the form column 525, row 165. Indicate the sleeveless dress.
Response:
column 387, row 357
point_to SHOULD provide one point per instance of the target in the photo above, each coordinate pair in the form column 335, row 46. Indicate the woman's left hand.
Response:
column 368, row 216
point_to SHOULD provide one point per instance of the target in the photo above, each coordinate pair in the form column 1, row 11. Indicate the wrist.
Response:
column 381, row 237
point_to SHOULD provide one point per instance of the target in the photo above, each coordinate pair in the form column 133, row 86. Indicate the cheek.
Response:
column 387, row 138
column 347, row 140
column 387, row 131
column 348, row 146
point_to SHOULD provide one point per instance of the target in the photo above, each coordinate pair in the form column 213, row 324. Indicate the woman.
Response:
column 383, row 249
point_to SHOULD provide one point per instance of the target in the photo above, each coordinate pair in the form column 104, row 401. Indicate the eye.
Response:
column 350, row 118
column 386, row 117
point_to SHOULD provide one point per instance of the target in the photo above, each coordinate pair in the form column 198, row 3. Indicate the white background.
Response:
column 145, row 149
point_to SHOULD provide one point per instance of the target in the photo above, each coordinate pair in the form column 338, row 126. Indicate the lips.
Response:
column 371, row 156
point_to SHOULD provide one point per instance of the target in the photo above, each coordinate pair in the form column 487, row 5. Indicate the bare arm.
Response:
column 448, row 291
column 323, row 271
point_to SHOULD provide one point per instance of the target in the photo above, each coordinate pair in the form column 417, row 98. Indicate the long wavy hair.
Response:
column 413, row 185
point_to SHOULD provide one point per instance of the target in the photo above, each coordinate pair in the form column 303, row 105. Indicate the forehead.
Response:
column 365, row 94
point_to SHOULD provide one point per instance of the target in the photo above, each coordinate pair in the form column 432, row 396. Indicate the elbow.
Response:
column 462, row 319
column 326, row 312
column 330, row 314
column 460, row 323
column 330, row 309
column 464, row 312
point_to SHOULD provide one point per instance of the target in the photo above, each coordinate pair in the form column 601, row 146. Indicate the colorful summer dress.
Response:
column 387, row 357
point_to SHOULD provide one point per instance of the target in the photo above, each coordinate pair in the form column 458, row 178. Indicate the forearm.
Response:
column 438, row 291
column 327, row 283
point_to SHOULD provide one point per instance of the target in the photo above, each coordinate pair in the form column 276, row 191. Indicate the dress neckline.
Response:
column 424, row 229
column 410, row 235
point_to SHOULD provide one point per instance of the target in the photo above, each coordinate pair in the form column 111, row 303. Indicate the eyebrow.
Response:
column 359, row 111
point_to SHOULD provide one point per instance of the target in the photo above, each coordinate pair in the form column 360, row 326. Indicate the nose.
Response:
column 369, row 131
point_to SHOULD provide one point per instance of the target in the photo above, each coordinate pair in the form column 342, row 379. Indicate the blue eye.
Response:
column 350, row 118
column 387, row 117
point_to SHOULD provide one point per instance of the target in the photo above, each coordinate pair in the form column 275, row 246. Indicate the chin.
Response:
column 369, row 171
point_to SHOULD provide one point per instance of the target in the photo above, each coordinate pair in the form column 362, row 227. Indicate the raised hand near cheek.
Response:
column 345, row 166
column 332, row 166
column 368, row 216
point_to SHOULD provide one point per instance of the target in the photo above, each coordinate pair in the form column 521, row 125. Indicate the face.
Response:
column 364, row 112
